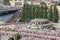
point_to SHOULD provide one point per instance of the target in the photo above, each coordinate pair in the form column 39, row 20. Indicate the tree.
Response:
column 29, row 13
column 45, row 13
column 38, row 12
column 22, row 14
column 55, row 14
column 11, row 38
column 50, row 13
column 18, row 36
column 26, row 11
column 33, row 13
column 41, row 9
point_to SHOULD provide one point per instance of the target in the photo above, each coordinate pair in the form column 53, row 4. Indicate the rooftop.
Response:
column 1, row 0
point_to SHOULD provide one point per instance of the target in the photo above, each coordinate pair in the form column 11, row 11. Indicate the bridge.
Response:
column 14, row 18
column 5, row 11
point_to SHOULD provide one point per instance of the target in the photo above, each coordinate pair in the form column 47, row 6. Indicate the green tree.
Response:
column 18, row 36
column 32, row 13
column 35, row 12
column 41, row 9
column 29, row 13
column 55, row 14
column 34, row 9
column 45, row 13
column 50, row 13
column 23, row 13
column 11, row 38
column 38, row 12
column 26, row 13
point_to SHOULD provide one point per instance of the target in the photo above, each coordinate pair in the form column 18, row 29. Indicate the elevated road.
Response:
column 14, row 18
column 6, row 11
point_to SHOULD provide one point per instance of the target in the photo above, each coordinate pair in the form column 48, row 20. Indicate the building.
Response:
column 17, row 3
column 20, row 3
column 6, row 0
column 36, row 2
column 1, row 2
column 33, row 2
column 40, row 23
column 12, row 3
column 28, row 1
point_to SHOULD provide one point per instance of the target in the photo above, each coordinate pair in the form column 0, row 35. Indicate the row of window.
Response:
column 18, row 0
column 40, row 22
column 18, row 3
column 25, row 0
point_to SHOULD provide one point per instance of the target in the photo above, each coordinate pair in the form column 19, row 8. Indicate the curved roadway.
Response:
column 14, row 18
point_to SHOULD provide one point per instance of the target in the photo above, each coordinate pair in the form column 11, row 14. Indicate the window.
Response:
column 18, row 0
column 30, row 0
column 6, row 0
column 18, row 3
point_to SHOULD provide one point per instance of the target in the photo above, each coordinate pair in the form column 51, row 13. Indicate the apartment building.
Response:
column 20, row 3
column 17, row 3
column 36, row 2
column 1, row 2
column 33, row 2
column 28, row 2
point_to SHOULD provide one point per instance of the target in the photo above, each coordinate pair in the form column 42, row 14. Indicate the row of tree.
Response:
column 39, row 11
column 17, row 37
column 53, row 14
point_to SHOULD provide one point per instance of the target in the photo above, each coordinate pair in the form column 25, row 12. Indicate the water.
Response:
column 5, row 18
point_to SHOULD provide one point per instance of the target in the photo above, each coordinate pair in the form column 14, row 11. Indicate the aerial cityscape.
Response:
column 29, row 19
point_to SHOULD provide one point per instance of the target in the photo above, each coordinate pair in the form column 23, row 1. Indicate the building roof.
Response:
column 1, row 0
column 36, row 0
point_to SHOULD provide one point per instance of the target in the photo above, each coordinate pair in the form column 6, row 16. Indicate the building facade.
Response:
column 33, row 2
column 17, row 3
column 20, row 3
column 36, row 2
column 1, row 2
